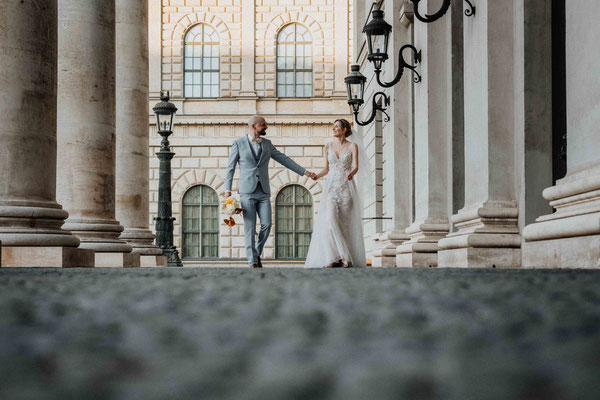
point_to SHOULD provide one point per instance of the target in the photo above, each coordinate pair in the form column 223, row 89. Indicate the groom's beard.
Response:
column 263, row 133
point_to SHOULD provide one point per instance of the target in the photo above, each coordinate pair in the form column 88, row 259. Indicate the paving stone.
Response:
column 207, row 333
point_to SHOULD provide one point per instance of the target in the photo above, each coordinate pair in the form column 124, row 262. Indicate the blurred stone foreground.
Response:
column 299, row 334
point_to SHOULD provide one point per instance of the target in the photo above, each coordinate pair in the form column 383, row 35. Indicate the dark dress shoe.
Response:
column 259, row 263
column 255, row 266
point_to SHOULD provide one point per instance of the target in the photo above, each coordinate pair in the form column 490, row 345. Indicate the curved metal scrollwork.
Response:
column 376, row 107
column 471, row 11
column 416, row 56
column 428, row 18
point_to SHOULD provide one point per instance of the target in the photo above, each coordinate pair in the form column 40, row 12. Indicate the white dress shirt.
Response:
column 255, row 143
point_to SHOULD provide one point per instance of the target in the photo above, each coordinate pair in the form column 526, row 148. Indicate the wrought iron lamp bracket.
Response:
column 428, row 18
column 403, row 64
column 376, row 107
column 472, row 10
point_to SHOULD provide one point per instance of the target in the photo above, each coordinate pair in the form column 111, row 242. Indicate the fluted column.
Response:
column 86, row 124
column 487, row 231
column 570, row 237
column 397, row 139
column 132, row 166
column 29, row 213
column 431, row 144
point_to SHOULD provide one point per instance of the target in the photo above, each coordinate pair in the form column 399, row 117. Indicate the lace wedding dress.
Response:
column 338, row 234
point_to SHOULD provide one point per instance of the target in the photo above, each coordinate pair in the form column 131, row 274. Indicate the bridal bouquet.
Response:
column 231, row 207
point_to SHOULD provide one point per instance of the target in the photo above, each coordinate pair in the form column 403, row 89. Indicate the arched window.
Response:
column 201, row 68
column 200, row 223
column 293, row 222
column 294, row 62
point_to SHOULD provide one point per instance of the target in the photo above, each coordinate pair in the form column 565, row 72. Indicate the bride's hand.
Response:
column 350, row 176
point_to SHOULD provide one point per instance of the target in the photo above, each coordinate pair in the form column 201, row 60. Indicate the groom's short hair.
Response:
column 254, row 120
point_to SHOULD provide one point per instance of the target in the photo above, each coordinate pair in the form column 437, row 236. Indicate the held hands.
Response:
column 312, row 175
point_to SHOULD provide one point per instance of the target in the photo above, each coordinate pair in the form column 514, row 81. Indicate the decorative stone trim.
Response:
column 268, row 42
column 179, row 31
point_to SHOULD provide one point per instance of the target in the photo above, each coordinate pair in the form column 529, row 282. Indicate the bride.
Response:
column 337, row 239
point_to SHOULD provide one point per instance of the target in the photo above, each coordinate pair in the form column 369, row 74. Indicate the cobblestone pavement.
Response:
column 299, row 334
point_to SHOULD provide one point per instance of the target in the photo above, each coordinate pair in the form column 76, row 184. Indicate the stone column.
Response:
column 341, row 33
column 431, row 143
column 570, row 237
column 487, row 232
column 132, row 167
column 155, row 47
column 396, row 142
column 30, row 217
column 248, row 48
column 86, row 128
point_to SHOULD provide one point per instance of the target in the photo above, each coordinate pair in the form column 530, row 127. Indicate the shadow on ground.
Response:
column 299, row 334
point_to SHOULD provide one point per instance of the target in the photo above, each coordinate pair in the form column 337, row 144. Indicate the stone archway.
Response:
column 178, row 38
column 268, row 41
column 182, row 184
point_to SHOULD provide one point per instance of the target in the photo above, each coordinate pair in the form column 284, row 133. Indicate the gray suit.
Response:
column 254, row 188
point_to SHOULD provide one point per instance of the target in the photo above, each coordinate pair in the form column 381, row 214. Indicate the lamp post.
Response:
column 165, row 111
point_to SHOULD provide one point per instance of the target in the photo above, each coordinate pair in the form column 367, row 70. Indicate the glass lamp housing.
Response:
column 165, row 111
column 378, row 35
column 355, row 84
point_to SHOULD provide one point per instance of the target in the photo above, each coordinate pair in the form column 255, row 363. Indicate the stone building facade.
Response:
column 501, row 129
column 245, row 41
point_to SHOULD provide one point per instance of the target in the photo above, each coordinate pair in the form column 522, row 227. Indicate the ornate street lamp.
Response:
column 378, row 33
column 165, row 111
column 428, row 18
column 355, row 83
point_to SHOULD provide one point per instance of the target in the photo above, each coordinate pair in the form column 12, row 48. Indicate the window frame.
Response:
column 200, row 231
column 294, row 231
column 202, row 70
column 295, row 70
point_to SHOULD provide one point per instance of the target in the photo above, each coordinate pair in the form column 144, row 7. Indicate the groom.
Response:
column 253, row 153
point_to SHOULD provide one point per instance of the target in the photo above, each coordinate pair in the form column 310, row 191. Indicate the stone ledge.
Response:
column 153, row 261
column 117, row 260
column 49, row 257
column 573, row 252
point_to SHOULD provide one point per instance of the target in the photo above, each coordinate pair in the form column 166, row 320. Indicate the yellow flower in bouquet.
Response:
column 230, row 208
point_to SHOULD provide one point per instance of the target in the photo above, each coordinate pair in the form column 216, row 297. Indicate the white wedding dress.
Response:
column 338, row 230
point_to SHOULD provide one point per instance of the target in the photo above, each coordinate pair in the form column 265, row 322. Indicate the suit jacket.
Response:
column 252, row 170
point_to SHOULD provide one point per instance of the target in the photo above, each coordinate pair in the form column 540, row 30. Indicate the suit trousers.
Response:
column 255, row 203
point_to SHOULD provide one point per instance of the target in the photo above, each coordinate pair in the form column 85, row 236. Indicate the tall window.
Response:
column 293, row 222
column 294, row 62
column 200, row 223
column 201, row 55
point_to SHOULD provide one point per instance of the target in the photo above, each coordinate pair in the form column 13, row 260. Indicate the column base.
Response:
column 472, row 257
column 102, row 235
column 142, row 241
column 117, row 260
column 385, row 253
column 569, row 238
column 416, row 260
column 575, row 252
column 153, row 261
column 487, row 237
column 34, row 224
column 49, row 257
column 421, row 250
